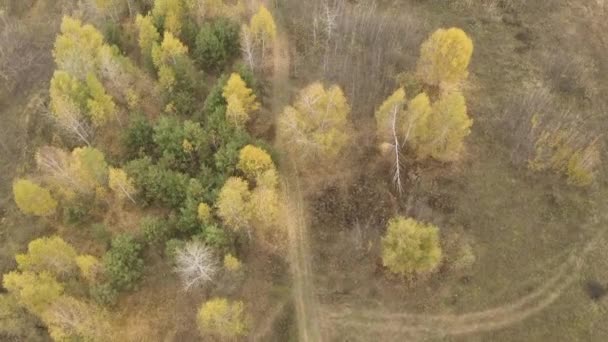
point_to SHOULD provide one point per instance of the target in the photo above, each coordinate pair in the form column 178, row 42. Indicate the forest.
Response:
column 288, row 170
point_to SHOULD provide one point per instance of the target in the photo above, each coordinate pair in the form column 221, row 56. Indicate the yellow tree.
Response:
column 236, row 86
column 89, row 166
column 33, row 199
column 121, row 184
column 76, row 47
column 101, row 106
column 148, row 34
column 233, row 204
column 318, row 123
column 263, row 28
column 171, row 12
column 165, row 56
column 410, row 247
column 222, row 318
column 445, row 57
column 68, row 102
column 253, row 161
column 50, row 254
column 89, row 266
column 235, row 112
column 71, row 319
column 36, row 292
column 204, row 213
column 447, row 126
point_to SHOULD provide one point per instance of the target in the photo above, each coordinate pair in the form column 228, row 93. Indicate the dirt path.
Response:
column 417, row 325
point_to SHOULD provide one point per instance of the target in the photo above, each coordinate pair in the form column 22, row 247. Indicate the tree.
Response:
column 195, row 264
column 264, row 206
column 122, row 263
column 216, row 44
column 388, row 119
column 89, row 165
column 165, row 57
column 71, row 319
column 220, row 317
column 410, row 247
column 232, row 263
column 263, row 28
column 235, row 86
column 113, row 8
column 235, row 112
column 76, row 48
column 48, row 254
column 204, row 213
column 170, row 13
column 446, row 127
column 101, row 105
column 247, row 47
column 232, row 204
column 89, row 266
column 445, row 57
column 148, row 35
column 68, row 103
column 36, row 292
column 318, row 123
column 33, row 199
column 121, row 184
column 253, row 161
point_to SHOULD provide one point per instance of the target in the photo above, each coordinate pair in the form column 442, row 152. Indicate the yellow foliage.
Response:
column 148, row 34
column 416, row 125
column 232, row 203
column 70, row 319
column 410, row 247
column 33, row 199
column 253, row 161
column 263, row 26
column 50, row 254
column 235, row 112
column 390, row 110
column 89, row 166
column 318, row 123
column 168, row 51
column 231, row 263
column 445, row 57
column 268, row 179
column 220, row 317
column 264, row 206
column 36, row 292
column 204, row 213
column 101, row 105
column 76, row 47
column 172, row 12
column 89, row 267
column 235, row 86
column 121, row 184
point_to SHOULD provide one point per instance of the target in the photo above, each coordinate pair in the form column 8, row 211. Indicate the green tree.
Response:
column 222, row 318
column 216, row 44
column 36, row 292
column 33, row 199
column 232, row 204
column 76, row 48
column 50, row 254
column 445, row 57
column 123, row 264
column 410, row 247
column 318, row 123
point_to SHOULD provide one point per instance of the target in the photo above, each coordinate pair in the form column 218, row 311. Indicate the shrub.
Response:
column 122, row 263
column 155, row 231
column 410, row 247
column 220, row 317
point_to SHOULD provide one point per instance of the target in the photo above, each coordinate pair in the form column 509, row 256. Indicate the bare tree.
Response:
column 195, row 264
column 69, row 118
column 247, row 46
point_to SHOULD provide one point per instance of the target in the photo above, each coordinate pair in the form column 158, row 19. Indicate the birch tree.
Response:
column 388, row 119
column 263, row 28
column 195, row 264
column 122, row 185
column 33, row 199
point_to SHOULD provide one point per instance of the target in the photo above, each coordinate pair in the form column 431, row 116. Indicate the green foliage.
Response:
column 33, row 199
column 78, row 211
column 172, row 246
column 148, row 36
column 217, row 43
column 222, row 318
column 138, row 138
column 155, row 231
column 158, row 184
column 182, row 146
column 90, row 167
column 215, row 237
column 122, row 263
column 48, row 254
column 445, row 57
column 410, row 247
column 104, row 294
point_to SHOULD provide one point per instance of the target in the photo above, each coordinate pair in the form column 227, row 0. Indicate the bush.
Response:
column 172, row 246
column 222, row 318
column 122, row 263
column 410, row 247
column 78, row 211
column 155, row 231
column 104, row 294
column 216, row 44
